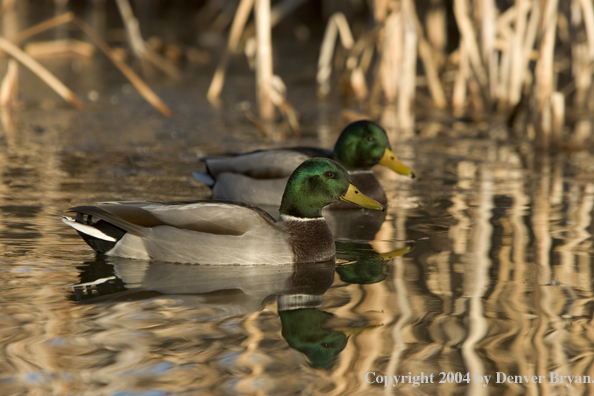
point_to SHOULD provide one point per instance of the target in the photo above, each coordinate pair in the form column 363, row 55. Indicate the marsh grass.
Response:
column 528, row 61
column 532, row 57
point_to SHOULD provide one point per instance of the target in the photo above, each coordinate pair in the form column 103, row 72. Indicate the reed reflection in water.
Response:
column 498, row 280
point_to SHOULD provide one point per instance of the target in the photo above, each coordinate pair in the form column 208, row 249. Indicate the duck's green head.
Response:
column 318, row 182
column 364, row 144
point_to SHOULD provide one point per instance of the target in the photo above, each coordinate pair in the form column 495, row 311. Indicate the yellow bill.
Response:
column 389, row 160
column 350, row 332
column 395, row 253
column 353, row 195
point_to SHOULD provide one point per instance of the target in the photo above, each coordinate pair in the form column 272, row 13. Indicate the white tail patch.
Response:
column 87, row 229
column 96, row 282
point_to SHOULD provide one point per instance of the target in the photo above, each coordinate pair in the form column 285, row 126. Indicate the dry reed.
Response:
column 9, row 88
column 148, row 58
column 41, row 72
column 239, row 21
column 505, row 60
column 430, row 65
column 17, row 37
column 264, row 60
column 337, row 27
column 13, row 50
column 147, row 93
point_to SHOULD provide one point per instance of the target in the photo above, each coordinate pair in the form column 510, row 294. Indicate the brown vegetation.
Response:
column 529, row 61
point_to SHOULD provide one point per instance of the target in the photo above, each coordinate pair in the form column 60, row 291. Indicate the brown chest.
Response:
column 310, row 240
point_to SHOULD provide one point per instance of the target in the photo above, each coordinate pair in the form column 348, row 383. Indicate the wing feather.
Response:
column 212, row 217
column 268, row 164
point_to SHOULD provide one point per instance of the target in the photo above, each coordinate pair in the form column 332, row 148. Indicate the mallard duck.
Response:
column 220, row 232
column 260, row 177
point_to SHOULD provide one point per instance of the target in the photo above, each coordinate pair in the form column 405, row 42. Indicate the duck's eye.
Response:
column 329, row 174
column 370, row 138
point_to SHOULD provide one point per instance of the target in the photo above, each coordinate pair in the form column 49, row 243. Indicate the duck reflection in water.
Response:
column 307, row 329
column 237, row 290
column 361, row 264
column 298, row 289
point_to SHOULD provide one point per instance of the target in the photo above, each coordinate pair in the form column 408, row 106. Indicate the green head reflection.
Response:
column 365, row 265
column 304, row 330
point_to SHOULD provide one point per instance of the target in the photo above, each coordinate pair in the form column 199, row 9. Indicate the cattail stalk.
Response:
column 435, row 24
column 557, row 117
column 427, row 55
column 468, row 40
column 391, row 56
column 337, row 24
column 10, row 85
column 9, row 88
column 488, row 36
column 132, row 26
column 408, row 77
column 264, row 60
column 517, row 53
column 588, row 15
column 147, row 93
column 460, row 83
column 241, row 16
column 42, row 27
column 544, row 74
column 41, row 72
column 505, row 63
column 582, row 74
column 139, row 47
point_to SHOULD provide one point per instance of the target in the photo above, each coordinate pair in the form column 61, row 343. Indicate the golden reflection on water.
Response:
column 499, row 279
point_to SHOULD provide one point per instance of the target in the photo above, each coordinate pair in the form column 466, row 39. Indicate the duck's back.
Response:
column 264, row 164
column 259, row 177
